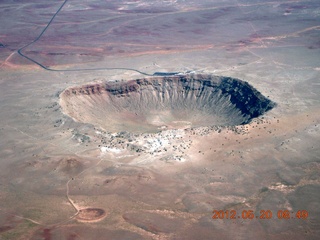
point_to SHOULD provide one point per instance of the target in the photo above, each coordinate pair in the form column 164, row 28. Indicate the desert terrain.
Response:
column 166, row 150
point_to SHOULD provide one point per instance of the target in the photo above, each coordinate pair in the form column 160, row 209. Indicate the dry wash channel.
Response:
column 158, row 103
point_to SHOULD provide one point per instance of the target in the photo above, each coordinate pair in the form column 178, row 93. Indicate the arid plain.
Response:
column 69, row 176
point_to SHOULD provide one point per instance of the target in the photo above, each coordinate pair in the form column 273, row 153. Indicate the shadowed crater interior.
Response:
column 153, row 104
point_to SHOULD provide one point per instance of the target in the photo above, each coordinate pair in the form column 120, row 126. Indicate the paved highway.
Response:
column 20, row 52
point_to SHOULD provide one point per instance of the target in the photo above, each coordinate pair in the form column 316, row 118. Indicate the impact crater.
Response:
column 91, row 215
column 165, row 102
